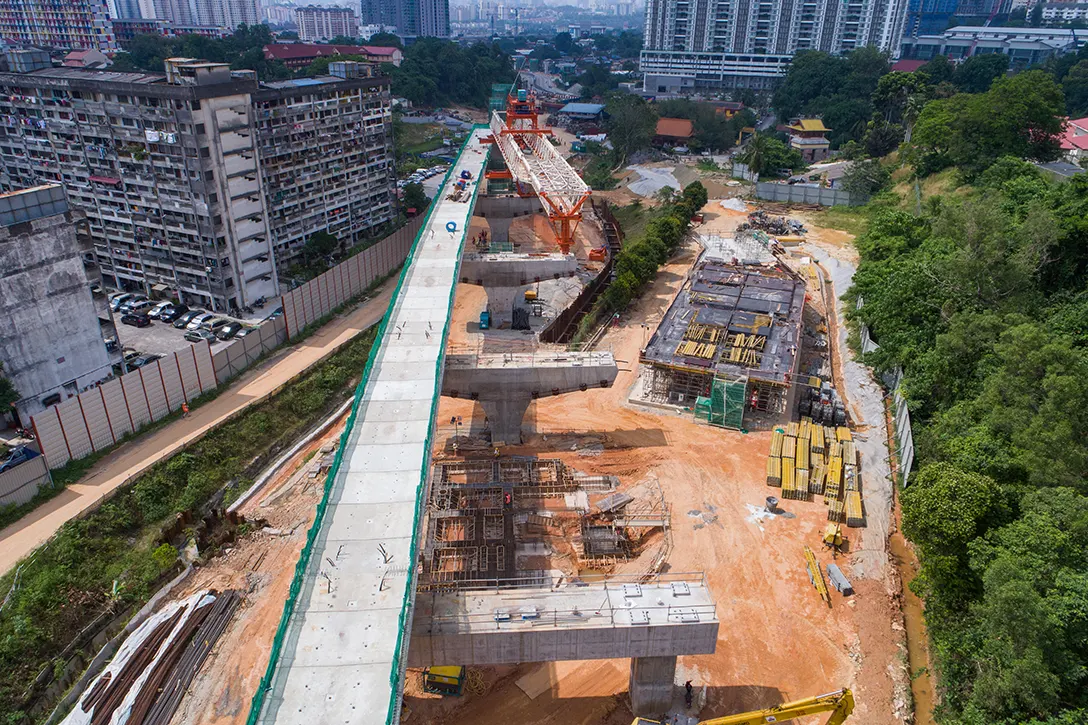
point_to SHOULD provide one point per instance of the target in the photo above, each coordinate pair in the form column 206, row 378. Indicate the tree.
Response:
column 977, row 73
column 881, row 137
column 765, row 155
column 344, row 40
column 1036, row 18
column 865, row 178
column 8, row 394
column 415, row 197
column 385, row 40
column 563, row 42
column 939, row 70
column 630, row 125
column 901, row 97
column 320, row 245
column 604, row 43
column 597, row 81
column 1075, row 87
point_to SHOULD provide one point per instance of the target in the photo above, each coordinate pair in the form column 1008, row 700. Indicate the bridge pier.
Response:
column 651, row 684
column 505, row 383
column 506, row 275
column 500, row 212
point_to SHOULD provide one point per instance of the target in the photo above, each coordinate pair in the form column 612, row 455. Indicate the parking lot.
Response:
column 160, row 338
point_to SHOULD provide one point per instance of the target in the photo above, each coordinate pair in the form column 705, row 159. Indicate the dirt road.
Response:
column 131, row 459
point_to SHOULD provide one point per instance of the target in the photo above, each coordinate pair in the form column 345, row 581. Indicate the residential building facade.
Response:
column 182, row 175
column 411, row 18
column 1064, row 12
column 808, row 136
column 694, row 44
column 1024, row 46
column 928, row 17
column 72, row 24
column 228, row 14
column 324, row 23
column 51, row 344
column 297, row 56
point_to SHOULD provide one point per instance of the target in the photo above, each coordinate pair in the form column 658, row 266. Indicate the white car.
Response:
column 158, row 309
column 196, row 322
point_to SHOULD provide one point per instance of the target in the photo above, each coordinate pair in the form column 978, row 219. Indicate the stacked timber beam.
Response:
column 807, row 459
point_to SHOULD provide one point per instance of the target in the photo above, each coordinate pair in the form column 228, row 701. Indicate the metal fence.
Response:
column 242, row 352
column 904, row 438
column 19, row 484
column 321, row 295
column 100, row 416
column 867, row 342
column 799, row 194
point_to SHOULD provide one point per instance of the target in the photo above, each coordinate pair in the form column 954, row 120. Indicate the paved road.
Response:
column 22, row 537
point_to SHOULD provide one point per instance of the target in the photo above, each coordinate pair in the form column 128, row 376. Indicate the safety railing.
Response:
column 273, row 672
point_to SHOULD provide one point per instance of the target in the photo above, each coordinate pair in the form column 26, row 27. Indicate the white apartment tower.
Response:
column 322, row 23
column 691, row 44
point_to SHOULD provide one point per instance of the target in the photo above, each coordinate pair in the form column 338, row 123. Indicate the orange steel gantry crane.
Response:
column 533, row 161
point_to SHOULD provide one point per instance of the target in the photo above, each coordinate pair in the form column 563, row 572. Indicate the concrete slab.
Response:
column 343, row 655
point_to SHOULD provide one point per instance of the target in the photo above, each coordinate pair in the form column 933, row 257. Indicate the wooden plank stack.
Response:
column 809, row 460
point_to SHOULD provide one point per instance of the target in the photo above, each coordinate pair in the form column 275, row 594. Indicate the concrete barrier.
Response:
column 18, row 485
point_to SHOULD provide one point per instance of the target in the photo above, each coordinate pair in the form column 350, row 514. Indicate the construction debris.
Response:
column 764, row 222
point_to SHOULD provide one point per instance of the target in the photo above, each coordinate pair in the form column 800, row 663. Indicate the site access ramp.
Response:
column 340, row 652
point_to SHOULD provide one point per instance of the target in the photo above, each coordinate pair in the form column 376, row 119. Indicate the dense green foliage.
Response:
column 982, row 301
column 630, row 125
column 713, row 131
column 641, row 255
column 114, row 558
column 769, row 156
column 441, row 72
column 243, row 50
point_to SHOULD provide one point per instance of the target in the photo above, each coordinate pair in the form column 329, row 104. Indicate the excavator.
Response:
column 839, row 703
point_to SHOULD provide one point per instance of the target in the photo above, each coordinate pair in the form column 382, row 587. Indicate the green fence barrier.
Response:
column 258, row 701
column 726, row 404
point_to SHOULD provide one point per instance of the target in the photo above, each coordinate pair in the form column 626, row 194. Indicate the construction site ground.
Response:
column 777, row 640
column 130, row 459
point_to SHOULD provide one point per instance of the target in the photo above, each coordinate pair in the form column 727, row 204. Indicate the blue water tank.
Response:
column 523, row 94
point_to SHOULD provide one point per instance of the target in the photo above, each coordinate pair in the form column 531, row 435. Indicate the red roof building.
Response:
column 674, row 129
column 908, row 66
column 1075, row 139
column 300, row 55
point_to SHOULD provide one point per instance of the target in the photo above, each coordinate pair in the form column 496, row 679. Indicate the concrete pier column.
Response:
column 500, row 303
column 500, row 229
column 505, row 418
column 651, row 685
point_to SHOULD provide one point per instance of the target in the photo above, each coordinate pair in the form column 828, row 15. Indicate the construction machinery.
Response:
column 444, row 680
column 833, row 538
column 839, row 703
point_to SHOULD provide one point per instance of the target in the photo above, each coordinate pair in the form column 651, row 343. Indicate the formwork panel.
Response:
column 153, row 388
column 133, row 387
column 75, row 430
column 50, row 438
column 116, row 409
column 171, row 381
column 98, row 423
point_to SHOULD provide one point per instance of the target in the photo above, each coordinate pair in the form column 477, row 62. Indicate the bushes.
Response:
column 114, row 558
column 639, row 259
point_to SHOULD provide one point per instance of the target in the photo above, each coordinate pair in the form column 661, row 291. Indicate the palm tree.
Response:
column 755, row 153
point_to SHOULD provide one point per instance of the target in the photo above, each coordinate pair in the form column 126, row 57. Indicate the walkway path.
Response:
column 131, row 459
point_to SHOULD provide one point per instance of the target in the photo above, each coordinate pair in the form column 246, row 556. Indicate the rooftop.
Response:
column 808, row 124
column 589, row 109
column 675, row 127
column 908, row 66
column 295, row 51
column 732, row 320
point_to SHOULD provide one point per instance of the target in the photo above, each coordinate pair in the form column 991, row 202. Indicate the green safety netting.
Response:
column 727, row 403
column 499, row 92
column 702, row 408
column 496, row 247
column 297, row 582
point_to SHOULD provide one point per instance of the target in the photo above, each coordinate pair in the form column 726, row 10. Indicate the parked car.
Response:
column 215, row 325
column 141, row 307
column 142, row 360
column 199, row 320
column 278, row 312
column 135, row 319
column 173, row 312
column 19, row 454
column 131, row 354
column 183, row 321
column 198, row 335
column 117, row 300
column 131, row 302
column 245, row 331
column 155, row 313
column 229, row 330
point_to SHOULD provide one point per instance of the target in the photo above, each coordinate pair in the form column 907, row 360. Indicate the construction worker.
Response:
column 688, row 693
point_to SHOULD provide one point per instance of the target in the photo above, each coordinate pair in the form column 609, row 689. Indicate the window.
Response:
column 205, row 153
column 196, row 107
column 200, row 129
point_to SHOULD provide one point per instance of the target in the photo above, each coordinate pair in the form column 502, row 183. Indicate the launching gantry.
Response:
column 533, row 161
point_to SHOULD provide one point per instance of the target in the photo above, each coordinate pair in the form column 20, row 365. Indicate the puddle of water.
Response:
column 921, row 683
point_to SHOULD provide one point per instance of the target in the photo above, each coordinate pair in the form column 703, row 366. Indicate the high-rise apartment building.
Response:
column 207, row 13
column 68, row 24
column 411, row 18
column 692, row 44
column 202, row 183
column 324, row 23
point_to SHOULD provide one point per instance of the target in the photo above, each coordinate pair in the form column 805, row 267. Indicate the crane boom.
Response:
column 533, row 161
column 839, row 703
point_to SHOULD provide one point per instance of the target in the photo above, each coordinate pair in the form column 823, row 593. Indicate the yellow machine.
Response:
column 840, row 704
column 833, row 538
column 444, row 680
